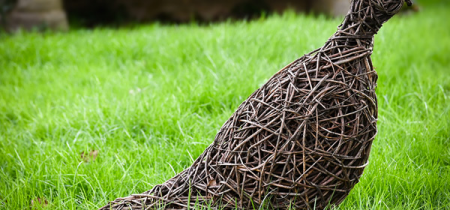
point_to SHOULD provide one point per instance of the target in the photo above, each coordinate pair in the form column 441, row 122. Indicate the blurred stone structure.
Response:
column 331, row 7
column 40, row 14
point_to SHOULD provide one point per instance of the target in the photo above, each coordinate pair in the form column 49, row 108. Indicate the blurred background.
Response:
column 57, row 14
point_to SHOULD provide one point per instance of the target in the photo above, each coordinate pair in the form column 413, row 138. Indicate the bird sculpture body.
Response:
column 300, row 141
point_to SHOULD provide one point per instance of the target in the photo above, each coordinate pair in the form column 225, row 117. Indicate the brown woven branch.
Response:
column 302, row 140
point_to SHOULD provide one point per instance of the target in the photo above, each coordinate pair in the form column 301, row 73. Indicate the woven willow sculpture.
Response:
column 300, row 141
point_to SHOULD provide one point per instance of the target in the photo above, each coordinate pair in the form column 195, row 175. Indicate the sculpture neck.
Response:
column 360, row 25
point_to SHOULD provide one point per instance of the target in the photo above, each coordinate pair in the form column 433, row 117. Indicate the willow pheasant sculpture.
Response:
column 300, row 141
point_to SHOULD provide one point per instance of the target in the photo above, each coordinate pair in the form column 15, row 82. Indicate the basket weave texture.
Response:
column 301, row 141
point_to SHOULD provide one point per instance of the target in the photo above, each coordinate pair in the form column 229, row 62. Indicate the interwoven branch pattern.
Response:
column 302, row 140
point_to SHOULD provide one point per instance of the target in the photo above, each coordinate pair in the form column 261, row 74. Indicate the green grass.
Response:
column 151, row 99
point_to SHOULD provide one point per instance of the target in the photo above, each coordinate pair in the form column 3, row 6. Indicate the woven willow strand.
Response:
column 302, row 140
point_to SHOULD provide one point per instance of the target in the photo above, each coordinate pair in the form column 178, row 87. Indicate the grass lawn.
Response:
column 150, row 99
